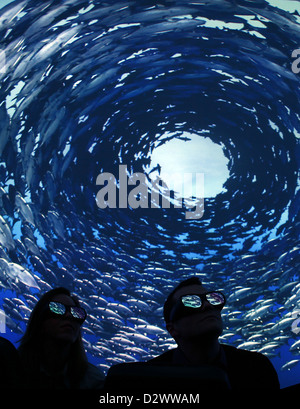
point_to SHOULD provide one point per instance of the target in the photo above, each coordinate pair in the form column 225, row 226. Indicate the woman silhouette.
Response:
column 51, row 349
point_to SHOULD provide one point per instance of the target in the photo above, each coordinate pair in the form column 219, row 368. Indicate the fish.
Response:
column 9, row 13
column 140, row 339
column 289, row 365
column 17, row 273
column 24, row 209
column 122, row 309
column 6, row 238
column 294, row 348
column 150, row 329
column 14, row 326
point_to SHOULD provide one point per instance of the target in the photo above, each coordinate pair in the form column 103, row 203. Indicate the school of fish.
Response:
column 87, row 85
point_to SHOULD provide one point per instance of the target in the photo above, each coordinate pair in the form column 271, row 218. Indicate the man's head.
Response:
column 197, row 316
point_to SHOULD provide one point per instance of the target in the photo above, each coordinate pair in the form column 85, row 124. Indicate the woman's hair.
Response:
column 32, row 340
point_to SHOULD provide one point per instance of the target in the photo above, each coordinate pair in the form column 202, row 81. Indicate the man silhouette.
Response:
column 193, row 318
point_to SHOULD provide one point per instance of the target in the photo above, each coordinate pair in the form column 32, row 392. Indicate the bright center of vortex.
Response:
column 190, row 154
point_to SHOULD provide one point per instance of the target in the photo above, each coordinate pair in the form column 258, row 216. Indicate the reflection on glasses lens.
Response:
column 215, row 298
column 57, row 308
column 78, row 312
column 191, row 301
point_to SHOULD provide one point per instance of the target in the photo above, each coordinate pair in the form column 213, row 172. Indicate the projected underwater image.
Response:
column 119, row 89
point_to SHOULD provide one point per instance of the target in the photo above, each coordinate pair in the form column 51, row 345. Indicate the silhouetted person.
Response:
column 10, row 366
column 193, row 318
column 51, row 349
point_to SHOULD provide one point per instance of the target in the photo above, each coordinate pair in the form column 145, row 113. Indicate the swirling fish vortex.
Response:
column 89, row 85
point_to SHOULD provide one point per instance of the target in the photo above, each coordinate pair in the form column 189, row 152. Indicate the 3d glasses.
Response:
column 193, row 303
column 60, row 310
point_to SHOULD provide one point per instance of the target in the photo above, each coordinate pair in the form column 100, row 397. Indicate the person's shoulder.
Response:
column 6, row 347
column 250, row 359
column 93, row 369
column 251, row 367
column 93, row 378
column 95, row 372
column 237, row 353
column 163, row 359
